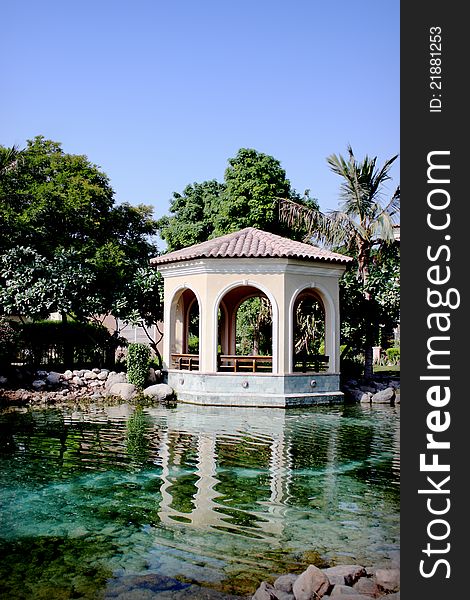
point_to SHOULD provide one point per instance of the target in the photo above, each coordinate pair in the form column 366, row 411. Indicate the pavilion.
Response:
column 204, row 286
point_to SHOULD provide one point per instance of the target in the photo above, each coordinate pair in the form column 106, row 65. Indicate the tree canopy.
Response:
column 253, row 186
column 64, row 244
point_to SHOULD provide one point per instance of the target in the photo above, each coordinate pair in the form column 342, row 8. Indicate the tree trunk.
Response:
column 368, row 362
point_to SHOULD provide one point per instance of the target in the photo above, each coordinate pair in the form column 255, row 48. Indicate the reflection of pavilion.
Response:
column 210, row 281
column 209, row 507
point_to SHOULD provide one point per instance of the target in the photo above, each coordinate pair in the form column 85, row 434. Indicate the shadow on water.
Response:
column 221, row 497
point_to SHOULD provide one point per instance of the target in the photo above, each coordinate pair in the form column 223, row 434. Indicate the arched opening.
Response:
column 185, row 331
column 245, row 331
column 309, row 340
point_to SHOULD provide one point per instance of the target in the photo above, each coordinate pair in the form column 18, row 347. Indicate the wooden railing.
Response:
column 315, row 363
column 185, row 362
column 251, row 364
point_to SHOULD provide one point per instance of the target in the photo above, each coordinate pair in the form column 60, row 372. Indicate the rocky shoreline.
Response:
column 345, row 582
column 51, row 388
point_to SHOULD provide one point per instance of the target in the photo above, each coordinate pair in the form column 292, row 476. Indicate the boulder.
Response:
column 39, row 384
column 367, row 586
column 386, row 396
column 89, row 375
column 311, row 584
column 3, row 380
column 394, row 596
column 360, row 396
column 265, row 592
column 126, row 391
column 284, row 583
column 68, row 375
column 339, row 591
column 53, row 378
column 78, row 381
column 159, row 392
column 114, row 378
column 103, row 375
column 388, row 579
column 345, row 574
column 152, row 376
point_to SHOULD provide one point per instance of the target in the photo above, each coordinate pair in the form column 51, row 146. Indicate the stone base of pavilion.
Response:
column 261, row 390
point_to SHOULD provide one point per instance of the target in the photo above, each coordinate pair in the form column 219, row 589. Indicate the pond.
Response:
column 107, row 501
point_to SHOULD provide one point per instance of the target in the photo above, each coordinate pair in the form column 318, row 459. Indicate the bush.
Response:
column 9, row 338
column 57, row 344
column 393, row 356
column 138, row 361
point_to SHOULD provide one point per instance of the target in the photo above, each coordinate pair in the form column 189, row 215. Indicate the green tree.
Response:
column 193, row 215
column 363, row 221
column 249, row 197
column 65, row 245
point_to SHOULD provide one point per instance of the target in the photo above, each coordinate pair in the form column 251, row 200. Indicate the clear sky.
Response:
column 160, row 94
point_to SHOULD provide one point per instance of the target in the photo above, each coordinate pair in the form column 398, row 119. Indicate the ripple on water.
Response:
column 201, row 494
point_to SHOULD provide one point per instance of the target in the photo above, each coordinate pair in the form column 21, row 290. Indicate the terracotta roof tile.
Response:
column 251, row 243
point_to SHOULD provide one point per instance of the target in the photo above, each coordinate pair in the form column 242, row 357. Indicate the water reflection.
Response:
column 202, row 491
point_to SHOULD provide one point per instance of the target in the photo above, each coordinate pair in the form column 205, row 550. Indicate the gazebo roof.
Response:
column 251, row 243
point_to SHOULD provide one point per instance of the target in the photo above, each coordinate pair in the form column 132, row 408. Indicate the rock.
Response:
column 41, row 374
column 351, row 596
column 345, row 574
column 89, row 375
column 39, row 384
column 284, row 583
column 386, row 396
column 368, row 388
column 284, row 595
column 311, row 584
column 395, row 596
column 159, row 392
column 360, row 396
column 265, row 592
column 388, row 579
column 78, row 381
column 3, row 380
column 103, row 375
column 126, row 391
column 68, row 375
column 96, row 370
column 115, row 378
column 152, row 377
column 367, row 586
column 53, row 378
column 339, row 591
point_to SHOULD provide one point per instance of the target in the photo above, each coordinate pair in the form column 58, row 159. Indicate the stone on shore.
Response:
column 388, row 579
column 160, row 392
column 345, row 574
column 311, row 584
column 386, row 396
column 53, row 378
column 126, row 391
column 114, row 378
column 284, row 583
column 367, row 586
column 265, row 592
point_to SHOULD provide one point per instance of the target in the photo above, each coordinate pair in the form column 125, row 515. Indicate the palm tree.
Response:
column 362, row 221
column 9, row 158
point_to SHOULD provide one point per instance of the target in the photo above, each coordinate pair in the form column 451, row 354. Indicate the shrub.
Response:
column 8, row 343
column 393, row 355
column 47, row 342
column 138, row 361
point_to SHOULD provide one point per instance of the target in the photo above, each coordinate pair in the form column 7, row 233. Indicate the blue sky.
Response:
column 161, row 94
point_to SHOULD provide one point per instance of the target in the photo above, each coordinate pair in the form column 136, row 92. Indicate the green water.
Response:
column 124, row 503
